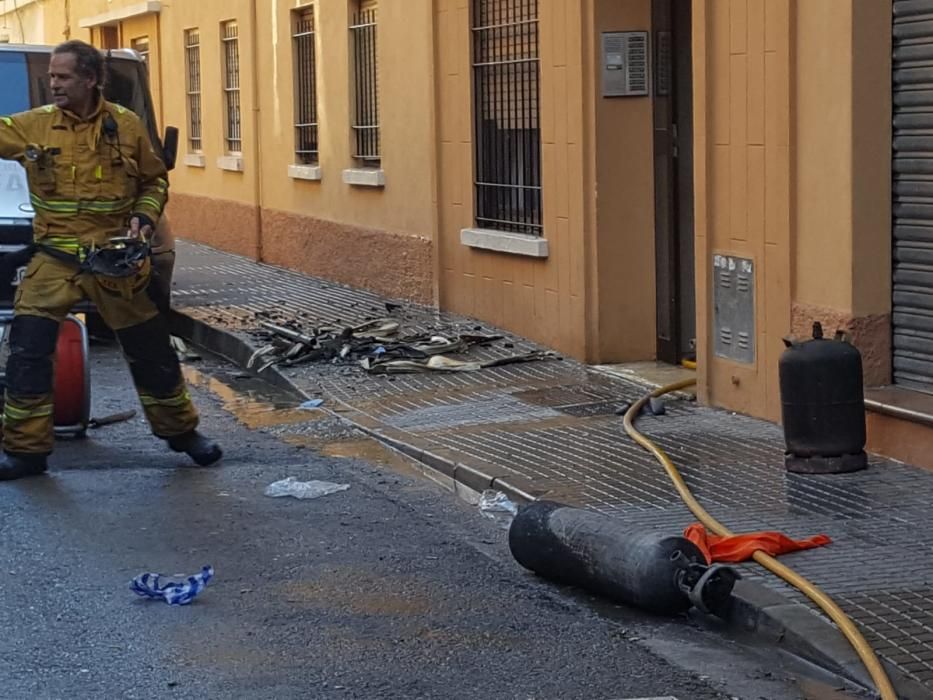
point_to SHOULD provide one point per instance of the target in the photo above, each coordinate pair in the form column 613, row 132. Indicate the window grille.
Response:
column 193, row 87
column 506, row 115
column 365, row 83
column 231, row 53
column 306, row 124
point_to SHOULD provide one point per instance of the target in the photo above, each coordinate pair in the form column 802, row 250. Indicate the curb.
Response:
column 755, row 609
column 802, row 632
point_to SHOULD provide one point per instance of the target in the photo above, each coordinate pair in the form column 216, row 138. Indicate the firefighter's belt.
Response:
column 119, row 262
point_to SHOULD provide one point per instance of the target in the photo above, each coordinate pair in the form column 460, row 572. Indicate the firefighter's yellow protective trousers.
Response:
column 50, row 289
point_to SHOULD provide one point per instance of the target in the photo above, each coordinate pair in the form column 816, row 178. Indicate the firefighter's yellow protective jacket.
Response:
column 86, row 176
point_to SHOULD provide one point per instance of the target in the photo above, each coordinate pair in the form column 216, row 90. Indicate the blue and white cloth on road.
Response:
column 175, row 590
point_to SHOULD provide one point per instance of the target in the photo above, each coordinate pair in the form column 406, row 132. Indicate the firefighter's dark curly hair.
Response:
column 89, row 63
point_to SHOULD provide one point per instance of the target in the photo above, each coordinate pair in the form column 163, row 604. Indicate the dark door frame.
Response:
column 673, row 165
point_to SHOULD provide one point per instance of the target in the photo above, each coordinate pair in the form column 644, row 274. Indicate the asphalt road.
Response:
column 395, row 588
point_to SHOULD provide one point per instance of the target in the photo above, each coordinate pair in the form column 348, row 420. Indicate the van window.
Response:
column 126, row 86
column 25, row 81
column 15, row 94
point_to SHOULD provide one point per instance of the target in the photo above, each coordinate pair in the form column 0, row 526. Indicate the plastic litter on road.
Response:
column 496, row 502
column 495, row 505
column 303, row 489
column 311, row 404
column 174, row 590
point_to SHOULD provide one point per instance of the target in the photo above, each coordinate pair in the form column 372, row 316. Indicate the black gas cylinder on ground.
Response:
column 823, row 405
column 655, row 572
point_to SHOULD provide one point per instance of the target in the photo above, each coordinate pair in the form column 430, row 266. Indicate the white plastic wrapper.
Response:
column 303, row 489
column 497, row 506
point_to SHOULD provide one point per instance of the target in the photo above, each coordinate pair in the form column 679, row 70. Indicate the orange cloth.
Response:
column 741, row 547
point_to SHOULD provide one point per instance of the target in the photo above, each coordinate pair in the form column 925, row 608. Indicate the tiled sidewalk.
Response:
column 551, row 427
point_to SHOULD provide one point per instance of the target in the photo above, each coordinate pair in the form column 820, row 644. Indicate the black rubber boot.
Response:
column 17, row 466
column 202, row 450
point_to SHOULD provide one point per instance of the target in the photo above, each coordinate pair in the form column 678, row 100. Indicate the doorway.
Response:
column 673, row 166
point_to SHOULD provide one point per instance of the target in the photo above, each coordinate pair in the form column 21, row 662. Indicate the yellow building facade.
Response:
column 622, row 180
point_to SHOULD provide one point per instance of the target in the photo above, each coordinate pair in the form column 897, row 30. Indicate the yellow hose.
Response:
column 848, row 628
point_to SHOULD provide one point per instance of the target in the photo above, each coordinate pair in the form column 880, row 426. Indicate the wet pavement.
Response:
column 395, row 588
column 551, row 427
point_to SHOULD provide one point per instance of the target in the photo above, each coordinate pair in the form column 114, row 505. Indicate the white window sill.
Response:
column 364, row 177
column 195, row 160
column 233, row 164
column 503, row 242
column 304, row 172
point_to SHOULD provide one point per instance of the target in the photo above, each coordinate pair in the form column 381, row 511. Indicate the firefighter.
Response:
column 98, row 189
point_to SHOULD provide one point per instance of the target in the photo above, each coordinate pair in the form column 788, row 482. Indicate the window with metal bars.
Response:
column 306, row 125
column 506, row 116
column 193, row 87
column 231, row 52
column 365, row 83
column 141, row 46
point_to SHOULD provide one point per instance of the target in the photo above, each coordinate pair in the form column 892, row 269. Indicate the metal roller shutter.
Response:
column 913, row 194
